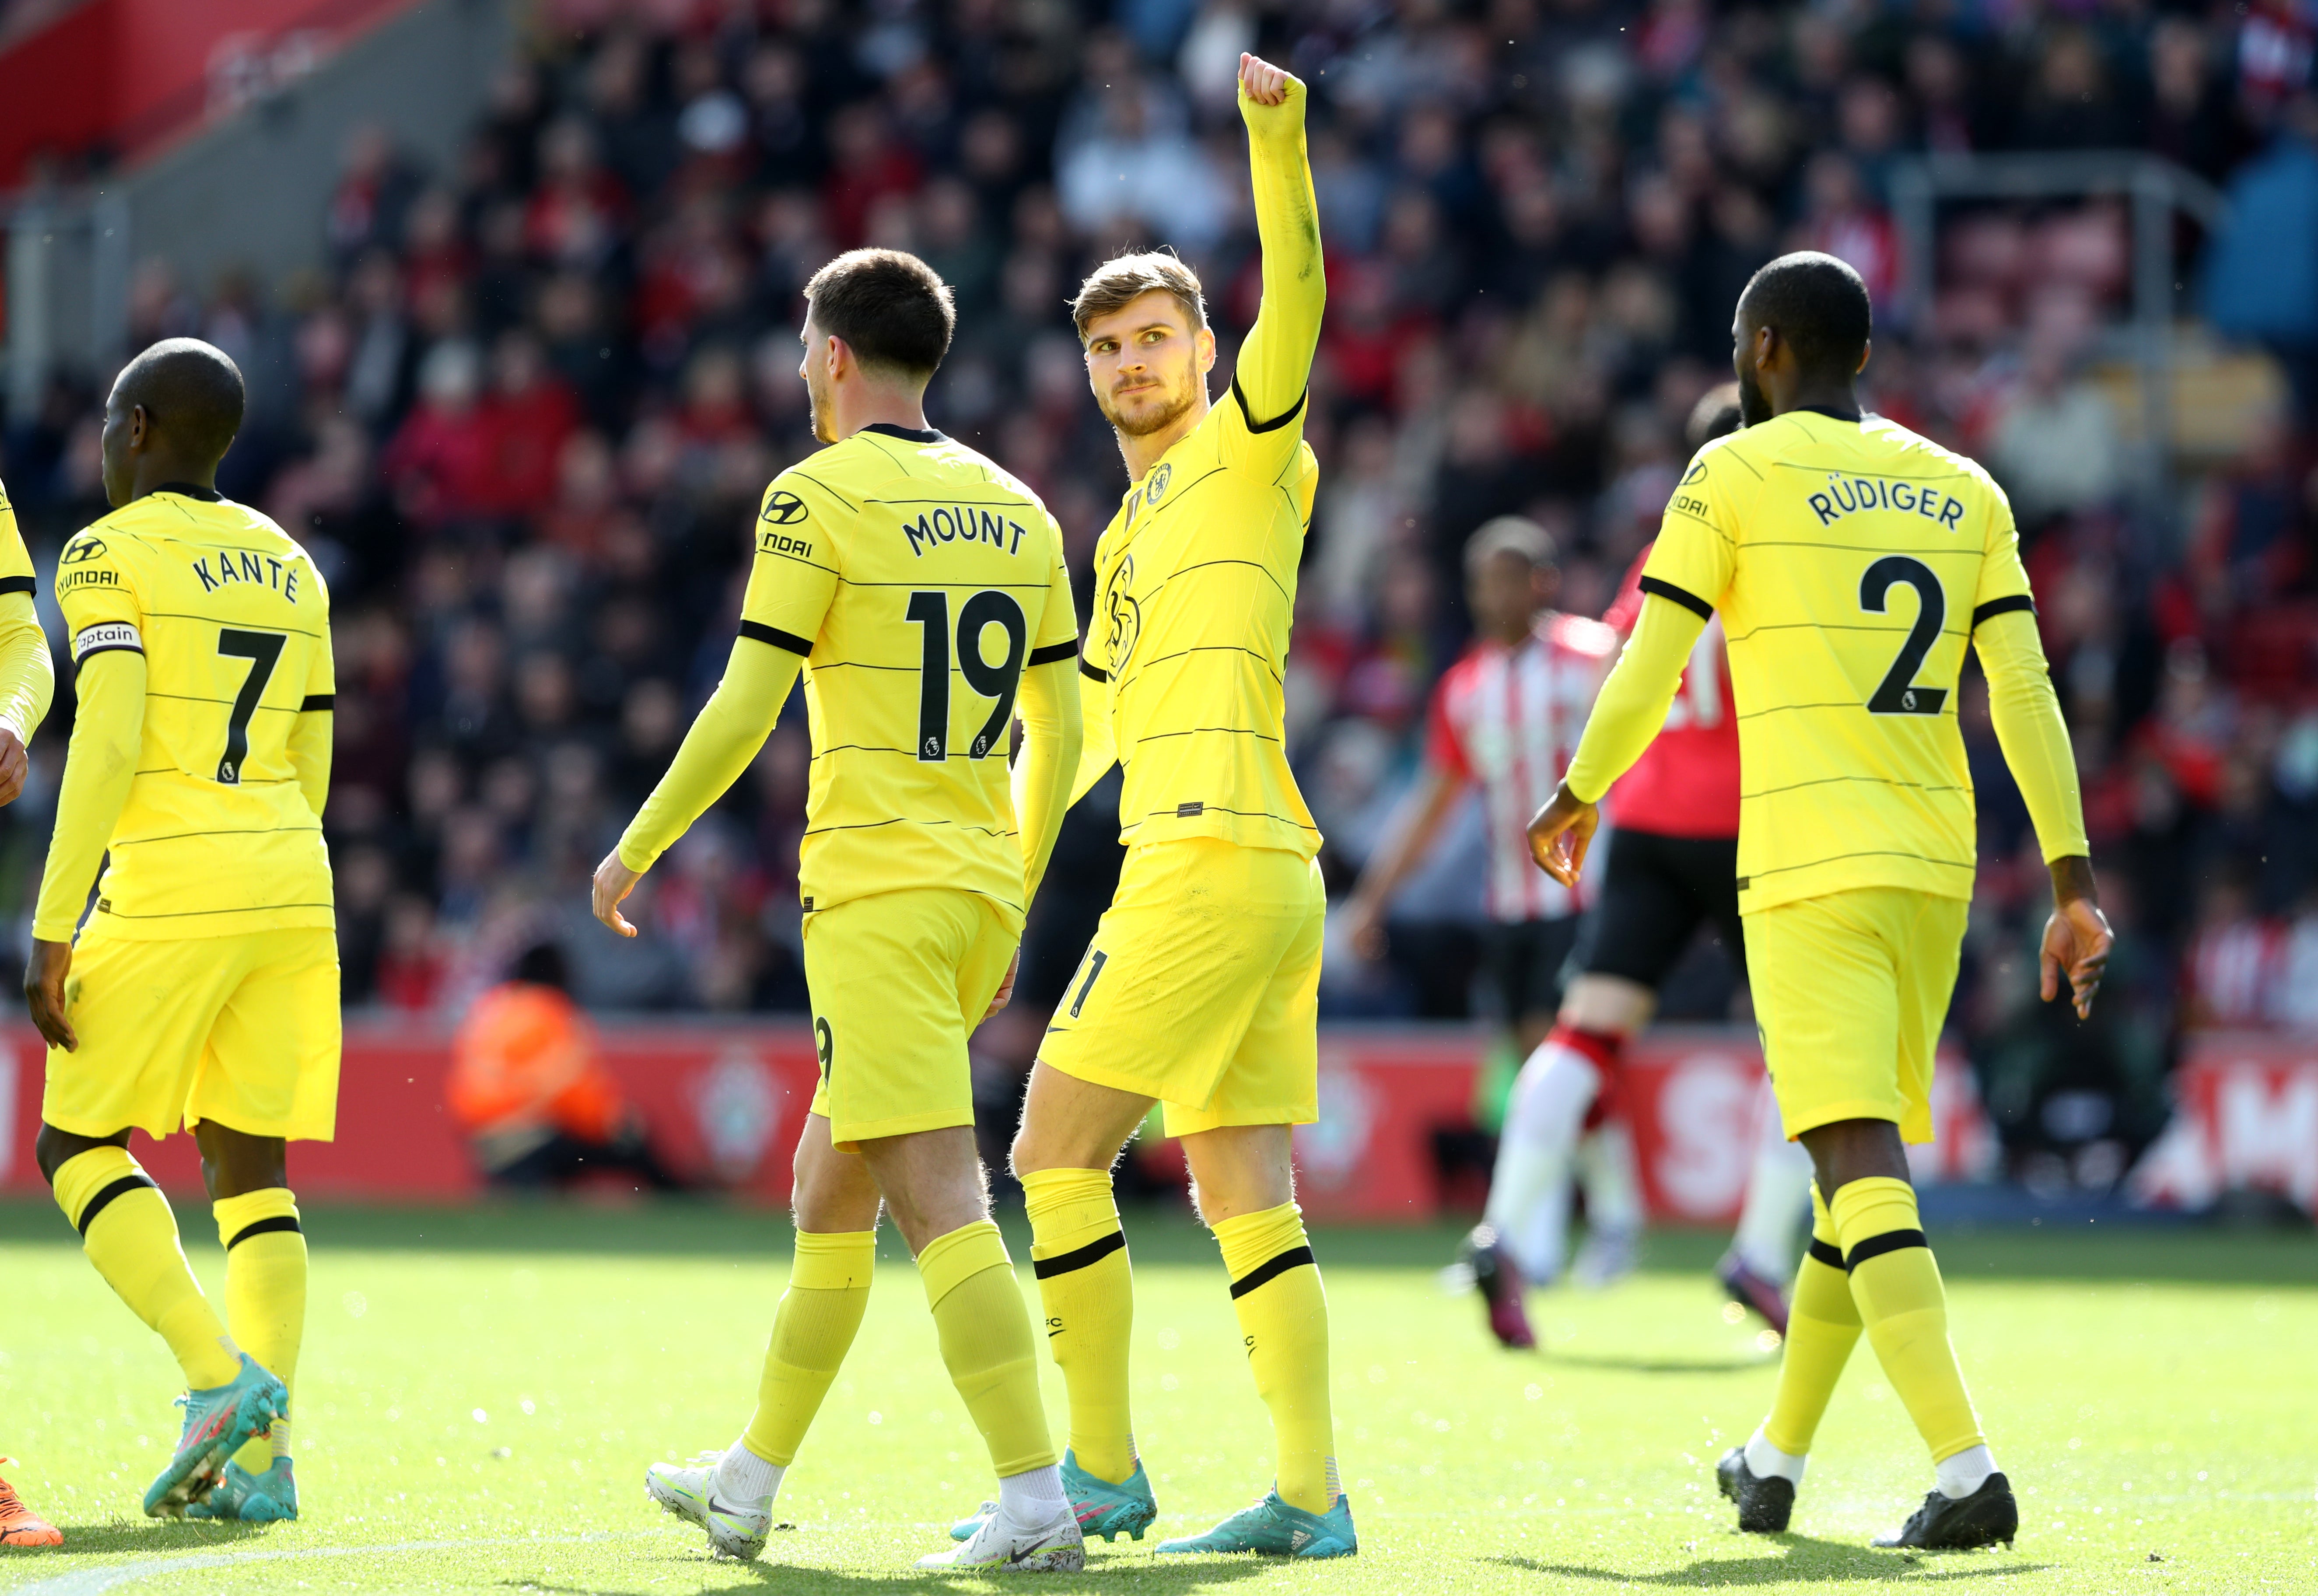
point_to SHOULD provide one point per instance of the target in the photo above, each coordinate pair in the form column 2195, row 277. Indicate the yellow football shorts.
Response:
column 899, row 981
column 240, row 1029
column 1202, row 986
column 1850, row 992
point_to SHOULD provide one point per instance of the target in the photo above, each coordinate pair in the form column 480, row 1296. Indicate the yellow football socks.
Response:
column 1079, row 1257
column 1284, row 1317
column 1901, row 1301
column 829, row 1291
column 987, row 1345
column 265, row 1296
column 130, row 1235
column 1823, row 1327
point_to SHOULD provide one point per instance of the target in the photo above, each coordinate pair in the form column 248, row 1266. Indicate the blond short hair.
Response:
column 1122, row 280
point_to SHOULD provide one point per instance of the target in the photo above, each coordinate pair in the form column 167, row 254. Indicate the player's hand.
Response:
column 1263, row 82
column 44, row 992
column 2077, row 944
column 1006, row 987
column 13, row 765
column 614, row 882
column 1364, row 926
column 1560, row 833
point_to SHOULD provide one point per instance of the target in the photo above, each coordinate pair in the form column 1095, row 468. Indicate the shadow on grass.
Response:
column 1807, row 1560
column 1201, row 1573
column 156, row 1535
column 1165, row 1233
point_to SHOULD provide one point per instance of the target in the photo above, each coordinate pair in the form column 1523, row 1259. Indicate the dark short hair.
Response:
column 1715, row 413
column 1818, row 305
column 1124, row 279
column 893, row 310
column 191, row 393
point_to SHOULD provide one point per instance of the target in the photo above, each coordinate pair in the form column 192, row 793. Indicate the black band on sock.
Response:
column 1891, row 1240
column 1078, row 1258
column 119, row 1188
column 260, row 1227
column 1822, row 1252
column 1269, row 1269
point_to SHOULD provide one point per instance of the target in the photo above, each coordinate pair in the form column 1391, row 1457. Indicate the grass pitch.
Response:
column 481, row 1391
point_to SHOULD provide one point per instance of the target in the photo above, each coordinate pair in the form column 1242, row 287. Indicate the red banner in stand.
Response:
column 725, row 1102
column 2245, row 1118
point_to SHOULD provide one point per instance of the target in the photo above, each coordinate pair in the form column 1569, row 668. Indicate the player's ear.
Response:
column 1204, row 341
column 1865, row 350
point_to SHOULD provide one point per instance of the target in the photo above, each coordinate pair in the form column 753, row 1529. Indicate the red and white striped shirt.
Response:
column 1509, row 719
column 1687, row 782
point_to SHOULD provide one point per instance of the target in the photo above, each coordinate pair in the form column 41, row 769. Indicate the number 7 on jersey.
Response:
column 263, row 649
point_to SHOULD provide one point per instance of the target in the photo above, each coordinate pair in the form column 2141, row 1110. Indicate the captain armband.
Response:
column 106, row 637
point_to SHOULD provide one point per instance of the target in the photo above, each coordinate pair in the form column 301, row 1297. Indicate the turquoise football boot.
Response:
column 1273, row 1529
column 217, row 1420
column 1103, row 1508
column 268, row 1498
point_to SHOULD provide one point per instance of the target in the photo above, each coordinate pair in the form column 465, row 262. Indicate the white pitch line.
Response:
column 88, row 1582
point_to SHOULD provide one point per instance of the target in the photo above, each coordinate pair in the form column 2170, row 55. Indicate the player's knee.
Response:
column 53, row 1149
column 234, row 1165
column 50, row 1151
column 1852, row 1150
column 1607, row 1003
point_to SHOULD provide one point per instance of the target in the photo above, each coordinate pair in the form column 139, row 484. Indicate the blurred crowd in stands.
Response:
column 523, row 417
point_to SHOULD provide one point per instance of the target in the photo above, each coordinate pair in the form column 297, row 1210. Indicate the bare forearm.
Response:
column 2072, row 879
column 1416, row 828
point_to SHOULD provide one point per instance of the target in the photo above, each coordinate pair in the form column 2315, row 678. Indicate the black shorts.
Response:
column 1655, row 892
column 1525, row 960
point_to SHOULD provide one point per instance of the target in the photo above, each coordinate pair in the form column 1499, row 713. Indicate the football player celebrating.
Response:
column 1200, row 989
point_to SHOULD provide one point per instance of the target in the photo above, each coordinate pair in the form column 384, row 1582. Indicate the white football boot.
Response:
column 737, row 1529
column 1000, row 1546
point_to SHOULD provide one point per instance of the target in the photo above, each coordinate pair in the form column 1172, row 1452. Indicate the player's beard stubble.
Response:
column 816, row 406
column 1754, row 407
column 1152, row 413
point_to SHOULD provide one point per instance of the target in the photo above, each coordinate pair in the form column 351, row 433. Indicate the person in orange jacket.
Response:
column 538, row 1106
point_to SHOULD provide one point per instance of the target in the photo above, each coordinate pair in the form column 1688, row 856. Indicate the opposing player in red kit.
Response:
column 1506, row 719
column 1672, row 864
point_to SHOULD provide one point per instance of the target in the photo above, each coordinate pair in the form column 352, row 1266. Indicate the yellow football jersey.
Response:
column 1195, row 585
column 1195, row 577
column 216, row 836
column 919, row 581
column 1851, row 562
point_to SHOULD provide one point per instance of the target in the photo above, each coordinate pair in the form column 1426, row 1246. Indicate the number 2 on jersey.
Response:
column 263, row 649
column 930, row 611
column 1897, row 695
